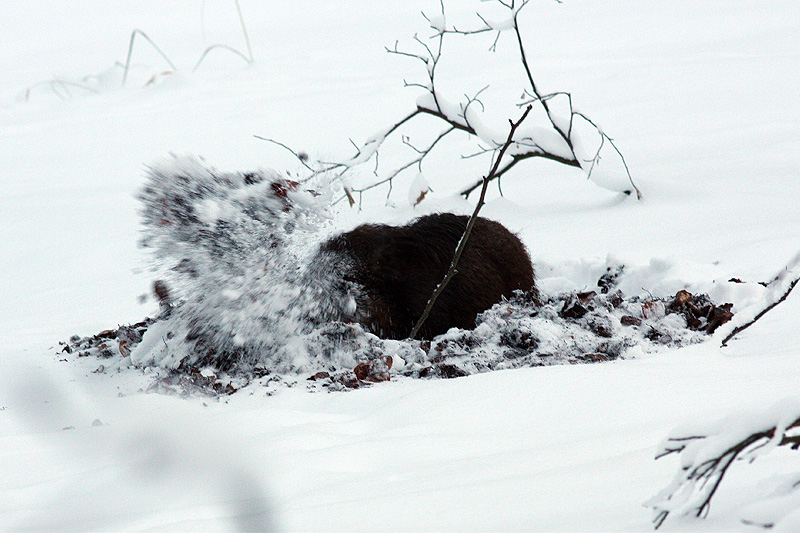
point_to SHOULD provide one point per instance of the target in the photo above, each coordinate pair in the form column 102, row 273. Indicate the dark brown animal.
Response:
column 396, row 269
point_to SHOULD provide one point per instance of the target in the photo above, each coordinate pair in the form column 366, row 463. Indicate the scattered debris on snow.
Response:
column 571, row 328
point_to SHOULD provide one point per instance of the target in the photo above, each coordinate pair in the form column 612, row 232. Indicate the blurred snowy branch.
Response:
column 707, row 450
column 556, row 141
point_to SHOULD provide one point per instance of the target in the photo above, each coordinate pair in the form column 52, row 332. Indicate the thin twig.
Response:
column 244, row 31
column 301, row 156
column 462, row 243
column 216, row 46
column 417, row 161
column 130, row 52
column 605, row 137
column 535, row 90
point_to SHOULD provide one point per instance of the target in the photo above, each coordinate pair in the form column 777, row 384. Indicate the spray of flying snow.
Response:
column 233, row 250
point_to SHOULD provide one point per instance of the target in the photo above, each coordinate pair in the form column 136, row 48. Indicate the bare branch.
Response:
column 462, row 243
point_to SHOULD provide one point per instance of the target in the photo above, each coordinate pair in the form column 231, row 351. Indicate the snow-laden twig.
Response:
column 777, row 291
column 707, row 450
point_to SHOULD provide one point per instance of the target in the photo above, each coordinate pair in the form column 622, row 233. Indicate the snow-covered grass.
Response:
column 702, row 99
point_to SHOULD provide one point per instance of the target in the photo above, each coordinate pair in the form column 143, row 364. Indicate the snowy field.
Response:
column 702, row 98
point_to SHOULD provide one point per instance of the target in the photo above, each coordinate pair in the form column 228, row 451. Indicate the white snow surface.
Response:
column 703, row 102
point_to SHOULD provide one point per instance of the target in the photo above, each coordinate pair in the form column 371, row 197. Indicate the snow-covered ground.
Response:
column 702, row 98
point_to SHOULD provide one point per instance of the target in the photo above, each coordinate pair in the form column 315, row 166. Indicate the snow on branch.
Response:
column 707, row 450
column 777, row 291
column 557, row 140
column 530, row 146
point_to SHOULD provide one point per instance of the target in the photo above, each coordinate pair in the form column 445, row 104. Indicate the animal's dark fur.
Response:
column 398, row 268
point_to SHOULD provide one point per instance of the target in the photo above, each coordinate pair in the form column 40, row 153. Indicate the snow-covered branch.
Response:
column 555, row 140
column 707, row 450
column 777, row 291
column 561, row 125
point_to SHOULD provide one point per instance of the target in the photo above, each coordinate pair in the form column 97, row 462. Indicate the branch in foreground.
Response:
column 708, row 450
column 462, row 243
